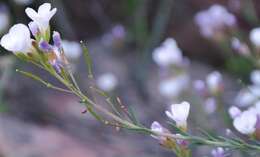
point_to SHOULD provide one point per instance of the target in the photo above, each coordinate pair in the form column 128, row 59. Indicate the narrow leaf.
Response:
column 87, row 59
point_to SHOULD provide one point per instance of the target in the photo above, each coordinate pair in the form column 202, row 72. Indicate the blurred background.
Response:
column 121, row 36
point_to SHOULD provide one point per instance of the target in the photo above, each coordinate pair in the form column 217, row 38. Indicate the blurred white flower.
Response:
column 23, row 2
column 173, row 87
column 218, row 152
column 72, row 49
column 245, row 98
column 213, row 20
column 245, row 122
column 255, row 77
column 168, row 54
column 107, row 82
column 179, row 113
column 254, row 36
column 42, row 17
column 210, row 105
column 214, row 82
column 4, row 18
column 234, row 112
column 18, row 39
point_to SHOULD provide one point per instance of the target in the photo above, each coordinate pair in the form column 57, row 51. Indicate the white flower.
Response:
column 4, row 18
column 72, row 49
column 210, row 105
column 254, row 36
column 168, row 54
column 17, row 39
column 214, row 19
column 245, row 123
column 107, row 82
column 179, row 113
column 234, row 111
column 214, row 82
column 173, row 87
column 42, row 17
column 255, row 77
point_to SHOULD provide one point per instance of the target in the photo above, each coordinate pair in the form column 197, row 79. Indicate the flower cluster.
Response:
column 214, row 21
column 19, row 41
column 246, row 122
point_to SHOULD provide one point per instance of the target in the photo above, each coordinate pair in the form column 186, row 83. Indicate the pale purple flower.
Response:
column 56, row 39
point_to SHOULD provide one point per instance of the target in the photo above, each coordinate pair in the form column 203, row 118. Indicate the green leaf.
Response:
column 32, row 76
column 132, row 116
column 87, row 59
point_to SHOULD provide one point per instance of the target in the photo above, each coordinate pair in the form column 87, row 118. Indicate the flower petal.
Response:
column 32, row 14
column 44, row 8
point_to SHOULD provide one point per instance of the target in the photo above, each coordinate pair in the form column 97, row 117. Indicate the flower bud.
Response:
column 45, row 46
column 56, row 39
